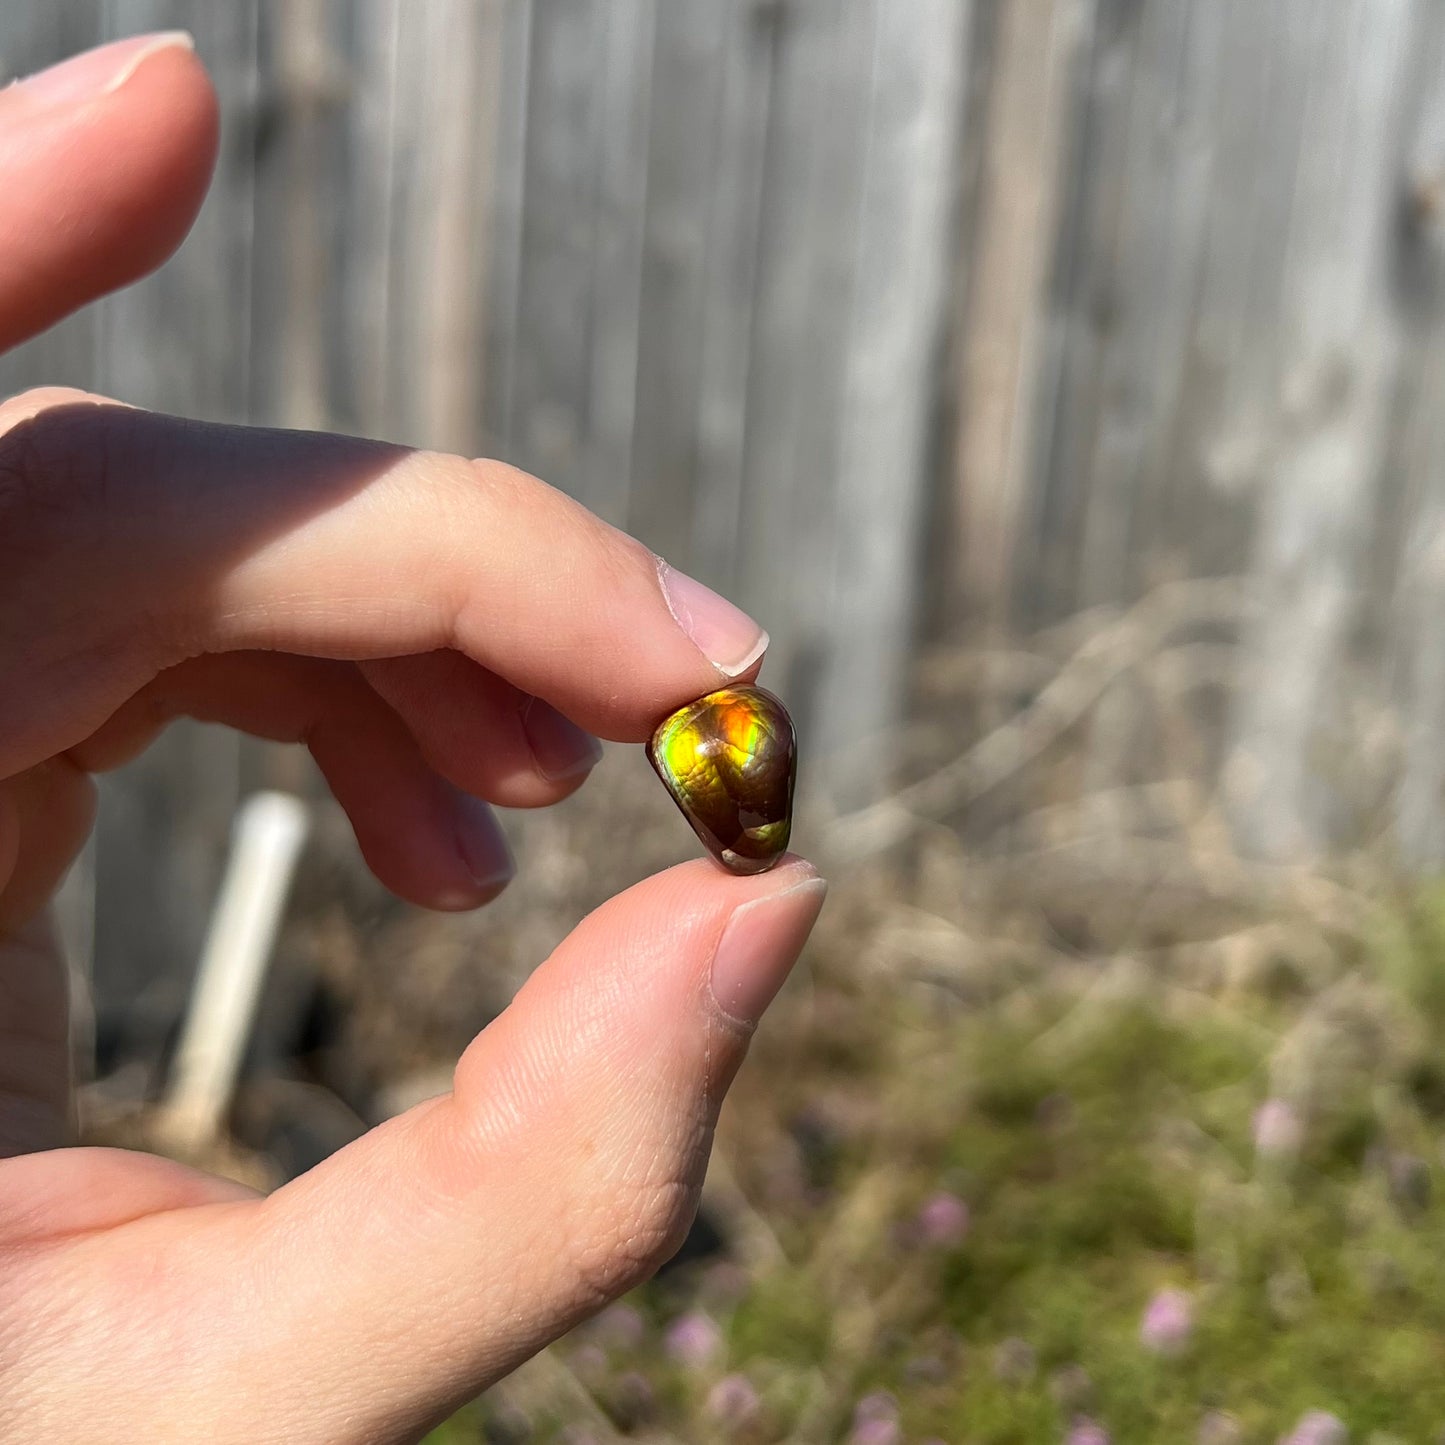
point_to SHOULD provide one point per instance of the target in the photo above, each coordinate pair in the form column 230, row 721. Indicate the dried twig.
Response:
column 1078, row 686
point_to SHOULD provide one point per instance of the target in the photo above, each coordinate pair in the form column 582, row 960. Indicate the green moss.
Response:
column 785, row 1319
column 1105, row 1152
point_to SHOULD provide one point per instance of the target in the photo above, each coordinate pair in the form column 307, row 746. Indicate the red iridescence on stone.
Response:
column 730, row 761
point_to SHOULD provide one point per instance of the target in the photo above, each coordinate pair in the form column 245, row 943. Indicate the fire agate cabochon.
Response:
column 730, row 761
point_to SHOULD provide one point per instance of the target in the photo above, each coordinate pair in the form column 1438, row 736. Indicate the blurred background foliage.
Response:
column 1058, row 381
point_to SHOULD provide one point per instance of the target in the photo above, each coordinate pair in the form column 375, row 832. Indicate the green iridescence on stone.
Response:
column 730, row 761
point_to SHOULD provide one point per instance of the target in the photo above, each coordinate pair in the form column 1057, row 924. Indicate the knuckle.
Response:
column 67, row 508
column 643, row 1229
column 585, row 555
column 54, row 454
column 37, row 399
column 595, row 543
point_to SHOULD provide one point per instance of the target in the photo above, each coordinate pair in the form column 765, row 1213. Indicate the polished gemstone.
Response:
column 730, row 760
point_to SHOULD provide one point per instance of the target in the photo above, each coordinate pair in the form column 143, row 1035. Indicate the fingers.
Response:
column 477, row 731
column 407, row 1272
column 489, row 738
column 145, row 540
column 34, row 1041
column 407, row 774
column 45, row 817
column 103, row 164
column 423, row 838
column 71, row 1191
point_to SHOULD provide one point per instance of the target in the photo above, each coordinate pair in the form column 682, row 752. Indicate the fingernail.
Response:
column 561, row 749
column 485, row 852
column 97, row 72
column 761, row 944
column 724, row 634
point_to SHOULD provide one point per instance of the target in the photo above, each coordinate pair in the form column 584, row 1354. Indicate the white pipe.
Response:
column 269, row 831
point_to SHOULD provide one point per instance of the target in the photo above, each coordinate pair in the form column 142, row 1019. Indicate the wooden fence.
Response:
column 889, row 317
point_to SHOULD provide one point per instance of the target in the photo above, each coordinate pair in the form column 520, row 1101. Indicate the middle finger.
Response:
column 425, row 839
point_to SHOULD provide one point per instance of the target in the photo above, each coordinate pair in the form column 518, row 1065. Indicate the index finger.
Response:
column 129, row 541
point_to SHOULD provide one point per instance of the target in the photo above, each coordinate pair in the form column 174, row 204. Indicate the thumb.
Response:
column 409, row 1271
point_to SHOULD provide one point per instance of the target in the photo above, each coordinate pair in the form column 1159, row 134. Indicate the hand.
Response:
column 441, row 633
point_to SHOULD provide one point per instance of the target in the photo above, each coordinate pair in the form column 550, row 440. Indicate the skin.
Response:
column 395, row 610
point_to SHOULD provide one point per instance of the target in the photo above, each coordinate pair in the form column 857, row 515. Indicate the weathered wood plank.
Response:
column 683, row 152
column 363, row 342
column 442, row 121
column 729, row 290
column 618, row 247
column 1034, row 50
column 807, row 256
column 1342, row 347
column 1153, row 282
column 1229, row 388
column 894, row 343
column 1415, row 643
column 1407, row 580
column 1080, row 321
column 546, row 429
column 297, row 160
column 505, row 215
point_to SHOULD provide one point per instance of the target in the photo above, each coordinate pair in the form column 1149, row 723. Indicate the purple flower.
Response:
column 1278, row 1130
column 1318, row 1427
column 620, row 1327
column 1086, row 1432
column 1168, row 1322
column 877, row 1405
column 875, row 1420
column 942, row 1219
column 733, row 1401
column 877, row 1432
column 693, row 1340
